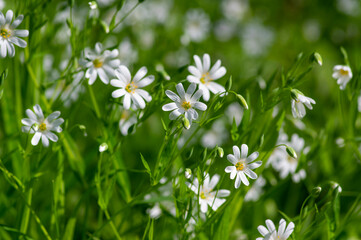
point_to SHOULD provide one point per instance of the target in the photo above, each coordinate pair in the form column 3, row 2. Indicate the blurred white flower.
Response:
column 234, row 111
column 224, row 30
column 311, row 30
column 256, row 39
column 242, row 165
column 2, row 4
column 103, row 147
column 127, row 119
column 197, row 25
column 184, row 103
column 217, row 135
column 206, row 194
column 131, row 88
column 155, row 212
column 349, row 7
column 271, row 233
column 343, row 74
column 41, row 126
column 256, row 190
column 235, row 9
column 188, row 173
column 128, row 54
column 298, row 102
column 100, row 63
column 204, row 75
column 9, row 35
column 283, row 162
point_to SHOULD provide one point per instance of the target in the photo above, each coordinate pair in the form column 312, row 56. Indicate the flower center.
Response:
column 186, row 105
column 203, row 195
column 42, row 127
column 240, row 166
column 97, row 63
column 130, row 88
column 5, row 33
column 205, row 78
column 343, row 72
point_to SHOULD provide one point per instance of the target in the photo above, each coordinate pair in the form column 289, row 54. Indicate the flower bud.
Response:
column 188, row 173
column 316, row 192
column 103, row 147
column 243, row 101
column 220, row 152
column 291, row 152
column 186, row 123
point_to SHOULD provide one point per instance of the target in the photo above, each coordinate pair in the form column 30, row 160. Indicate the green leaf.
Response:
column 146, row 165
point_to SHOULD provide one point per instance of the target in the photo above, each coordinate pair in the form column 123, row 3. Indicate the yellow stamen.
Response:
column 240, row 166
column 343, row 72
column 186, row 105
column 97, row 63
column 5, row 33
column 202, row 195
column 42, row 127
column 130, row 88
column 205, row 78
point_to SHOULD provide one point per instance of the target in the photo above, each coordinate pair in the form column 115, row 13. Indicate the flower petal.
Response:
column 174, row 97
column 140, row 74
column 36, row 138
column 244, row 151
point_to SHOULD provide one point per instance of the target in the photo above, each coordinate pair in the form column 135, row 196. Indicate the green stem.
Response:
column 94, row 101
column 112, row 224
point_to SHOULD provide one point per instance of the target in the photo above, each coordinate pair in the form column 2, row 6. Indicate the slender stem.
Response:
column 94, row 101
column 112, row 224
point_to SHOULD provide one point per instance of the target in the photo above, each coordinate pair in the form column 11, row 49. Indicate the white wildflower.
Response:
column 42, row 127
column 9, row 34
column 100, row 63
column 197, row 25
column 208, row 197
column 271, row 233
column 204, row 75
column 130, row 87
column 298, row 102
column 242, row 165
column 343, row 74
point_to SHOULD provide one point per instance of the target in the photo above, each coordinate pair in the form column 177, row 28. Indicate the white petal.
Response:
column 229, row 169
column 193, row 79
column 140, row 74
column 9, row 16
column 219, row 73
column 243, row 178
column 214, row 181
column 169, row 107
column 17, row 21
column 232, row 159
column 45, row 140
column 193, row 113
column 53, row 116
column 173, row 115
column 31, row 114
column 36, row 138
column 21, row 33
column 215, row 67
column 126, row 101
column 174, row 97
column 255, row 165
column 144, row 94
column 237, row 183
column 262, row 230
column 270, row 225
column 103, row 76
column 27, row 122
column 180, row 90
column 236, row 152
column 200, row 106
column 11, row 49
column 289, row 230
column 197, row 95
column 125, row 72
column 244, row 151
column 146, row 81
column 138, row 100
column 117, row 83
column 281, row 227
column 52, row 136
column 18, row 41
column 205, row 92
column 204, row 206
column 38, row 111
column 93, row 77
column 216, row 88
column 198, row 62
column 206, row 62
column 2, row 19
column 195, row 71
column 191, row 89
column 3, row 49
column 98, row 48
column 118, row 93
column 250, row 173
column 223, row 193
column 252, row 157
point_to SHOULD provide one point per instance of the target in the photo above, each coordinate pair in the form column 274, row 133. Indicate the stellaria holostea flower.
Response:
column 343, row 74
column 208, row 197
column 298, row 102
column 184, row 103
column 130, row 87
column 270, row 233
column 100, row 63
column 204, row 75
column 9, row 34
column 242, row 165
column 41, row 126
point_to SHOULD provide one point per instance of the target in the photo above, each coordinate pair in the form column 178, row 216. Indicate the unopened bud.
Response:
column 243, row 101
column 186, row 123
column 103, row 147
column 93, row 5
column 220, row 152
column 188, row 173
column 316, row 191
column 316, row 57
column 291, row 152
column 295, row 93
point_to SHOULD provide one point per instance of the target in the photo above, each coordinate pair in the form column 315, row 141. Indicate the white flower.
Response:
column 197, row 25
column 127, row 120
column 131, row 88
column 206, row 194
column 298, row 108
column 42, row 127
column 256, row 190
column 284, row 163
column 217, row 135
column 343, row 75
column 100, row 63
column 9, row 35
column 242, row 165
column 204, row 75
column 270, row 233
column 103, row 147
column 184, row 103
column 256, row 38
